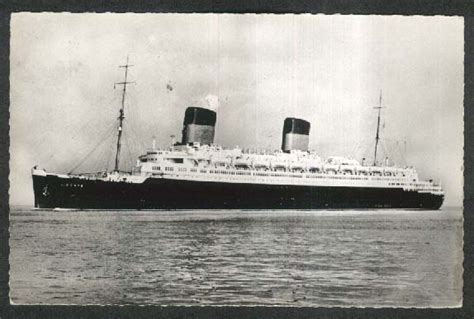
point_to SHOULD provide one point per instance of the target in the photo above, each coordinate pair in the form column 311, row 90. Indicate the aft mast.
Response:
column 121, row 115
column 377, row 137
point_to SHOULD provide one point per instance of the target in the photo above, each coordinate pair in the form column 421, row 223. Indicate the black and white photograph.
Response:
column 296, row 160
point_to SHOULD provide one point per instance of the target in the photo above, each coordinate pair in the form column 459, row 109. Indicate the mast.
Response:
column 378, row 129
column 121, row 115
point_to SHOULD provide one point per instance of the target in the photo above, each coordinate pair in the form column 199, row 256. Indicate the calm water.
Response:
column 289, row 258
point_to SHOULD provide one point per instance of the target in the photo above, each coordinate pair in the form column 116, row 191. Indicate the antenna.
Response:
column 121, row 114
column 378, row 128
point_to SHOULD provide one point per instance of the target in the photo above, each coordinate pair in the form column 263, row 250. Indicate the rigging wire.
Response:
column 127, row 143
column 394, row 151
column 110, row 156
column 109, row 131
column 132, row 125
column 125, row 158
column 135, row 137
column 127, row 147
column 385, row 150
column 41, row 137
column 97, row 159
column 103, row 155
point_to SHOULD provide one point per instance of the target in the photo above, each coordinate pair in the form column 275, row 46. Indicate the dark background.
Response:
column 464, row 8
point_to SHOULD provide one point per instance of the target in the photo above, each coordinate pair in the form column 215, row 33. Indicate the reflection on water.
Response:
column 290, row 258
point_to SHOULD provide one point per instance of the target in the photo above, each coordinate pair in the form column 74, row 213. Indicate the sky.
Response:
column 256, row 69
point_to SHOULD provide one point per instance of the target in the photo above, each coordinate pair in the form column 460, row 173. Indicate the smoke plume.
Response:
column 212, row 102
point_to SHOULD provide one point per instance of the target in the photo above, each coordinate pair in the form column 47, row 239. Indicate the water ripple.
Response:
column 291, row 258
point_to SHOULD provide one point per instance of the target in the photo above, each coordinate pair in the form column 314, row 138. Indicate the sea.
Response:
column 322, row 258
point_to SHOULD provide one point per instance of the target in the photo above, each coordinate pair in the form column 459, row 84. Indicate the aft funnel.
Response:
column 199, row 126
column 295, row 134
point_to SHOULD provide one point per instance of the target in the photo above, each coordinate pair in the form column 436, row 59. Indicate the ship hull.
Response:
column 52, row 191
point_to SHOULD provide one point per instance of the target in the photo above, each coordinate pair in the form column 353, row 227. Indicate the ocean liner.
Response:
column 195, row 173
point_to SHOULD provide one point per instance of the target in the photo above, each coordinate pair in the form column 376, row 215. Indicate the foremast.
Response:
column 121, row 115
column 377, row 136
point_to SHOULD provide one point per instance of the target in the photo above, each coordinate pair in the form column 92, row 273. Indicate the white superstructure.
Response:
column 215, row 164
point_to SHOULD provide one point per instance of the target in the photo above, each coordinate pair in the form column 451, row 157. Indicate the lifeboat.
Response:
column 261, row 163
column 390, row 171
column 297, row 166
column 330, row 168
column 242, row 162
column 279, row 165
column 221, row 161
column 363, row 170
column 314, row 167
column 348, row 169
column 376, row 171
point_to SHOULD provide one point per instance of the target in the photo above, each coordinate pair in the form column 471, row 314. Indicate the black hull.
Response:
column 54, row 192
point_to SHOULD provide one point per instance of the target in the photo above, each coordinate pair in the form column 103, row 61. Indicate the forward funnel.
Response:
column 295, row 134
column 199, row 126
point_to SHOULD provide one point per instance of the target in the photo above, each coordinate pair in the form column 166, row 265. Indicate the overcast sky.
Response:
column 327, row 69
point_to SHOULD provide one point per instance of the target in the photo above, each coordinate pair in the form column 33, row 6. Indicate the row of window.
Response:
column 228, row 172
column 337, row 177
column 170, row 169
column 182, row 169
